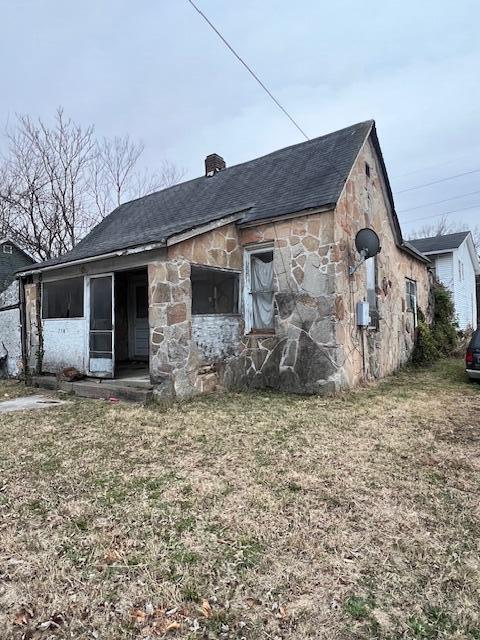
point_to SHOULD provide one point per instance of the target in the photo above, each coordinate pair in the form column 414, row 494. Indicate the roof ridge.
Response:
column 262, row 157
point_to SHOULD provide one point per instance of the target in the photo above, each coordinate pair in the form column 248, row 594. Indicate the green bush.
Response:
column 444, row 325
column 439, row 339
column 425, row 350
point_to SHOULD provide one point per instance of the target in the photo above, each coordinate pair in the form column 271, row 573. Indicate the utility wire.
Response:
column 428, row 184
column 428, row 204
column 438, row 215
column 249, row 69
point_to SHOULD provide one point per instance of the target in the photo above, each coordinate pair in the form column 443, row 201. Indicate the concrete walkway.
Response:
column 29, row 402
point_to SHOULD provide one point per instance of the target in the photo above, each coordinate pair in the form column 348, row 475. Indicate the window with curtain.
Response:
column 411, row 299
column 371, row 286
column 259, row 290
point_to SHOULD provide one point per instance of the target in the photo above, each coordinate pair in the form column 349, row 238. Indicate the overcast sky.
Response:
column 155, row 70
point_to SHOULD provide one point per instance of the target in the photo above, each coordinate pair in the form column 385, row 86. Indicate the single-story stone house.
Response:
column 239, row 278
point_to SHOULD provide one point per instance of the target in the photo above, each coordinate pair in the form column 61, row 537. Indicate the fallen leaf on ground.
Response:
column 138, row 615
column 22, row 617
column 206, row 609
column 112, row 556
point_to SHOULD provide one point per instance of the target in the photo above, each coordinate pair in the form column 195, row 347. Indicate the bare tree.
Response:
column 57, row 182
column 145, row 182
column 118, row 159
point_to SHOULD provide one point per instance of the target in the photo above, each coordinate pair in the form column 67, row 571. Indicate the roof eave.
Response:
column 102, row 256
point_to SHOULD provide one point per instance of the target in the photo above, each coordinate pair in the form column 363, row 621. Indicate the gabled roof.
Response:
column 448, row 242
column 8, row 240
column 304, row 176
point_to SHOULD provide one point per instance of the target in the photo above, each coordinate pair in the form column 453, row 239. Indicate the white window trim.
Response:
column 247, row 282
column 7, row 248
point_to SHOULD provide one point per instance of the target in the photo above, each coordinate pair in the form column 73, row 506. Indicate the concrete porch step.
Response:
column 95, row 389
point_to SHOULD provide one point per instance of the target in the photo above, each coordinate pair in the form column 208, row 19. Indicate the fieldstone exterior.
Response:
column 364, row 204
column 301, row 355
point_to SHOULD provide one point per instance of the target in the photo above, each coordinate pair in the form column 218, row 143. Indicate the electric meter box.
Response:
column 363, row 314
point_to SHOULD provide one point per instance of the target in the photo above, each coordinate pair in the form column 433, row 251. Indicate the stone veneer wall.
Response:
column 364, row 204
column 174, row 353
column 302, row 356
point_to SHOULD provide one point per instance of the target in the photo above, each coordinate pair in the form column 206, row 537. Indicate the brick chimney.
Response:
column 213, row 164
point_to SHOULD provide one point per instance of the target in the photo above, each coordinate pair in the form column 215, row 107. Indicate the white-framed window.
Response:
column 371, row 286
column 7, row 248
column 258, row 290
column 411, row 299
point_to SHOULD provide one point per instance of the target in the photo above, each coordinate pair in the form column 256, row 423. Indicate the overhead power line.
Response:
column 428, row 204
column 249, row 69
column 439, row 215
column 428, row 184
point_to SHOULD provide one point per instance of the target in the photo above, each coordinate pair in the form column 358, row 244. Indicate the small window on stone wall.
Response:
column 214, row 291
column 63, row 298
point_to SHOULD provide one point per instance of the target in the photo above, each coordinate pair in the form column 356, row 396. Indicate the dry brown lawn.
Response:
column 246, row 516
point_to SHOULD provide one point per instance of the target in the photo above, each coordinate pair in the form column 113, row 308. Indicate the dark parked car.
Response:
column 472, row 359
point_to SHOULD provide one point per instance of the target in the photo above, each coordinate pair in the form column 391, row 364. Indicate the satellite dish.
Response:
column 367, row 243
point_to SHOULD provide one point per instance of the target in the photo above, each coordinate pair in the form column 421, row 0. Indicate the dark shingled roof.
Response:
column 439, row 243
column 301, row 177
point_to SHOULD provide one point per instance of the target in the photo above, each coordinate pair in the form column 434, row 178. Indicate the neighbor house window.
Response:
column 371, row 286
column 63, row 298
column 7, row 248
column 214, row 291
column 411, row 299
column 259, row 290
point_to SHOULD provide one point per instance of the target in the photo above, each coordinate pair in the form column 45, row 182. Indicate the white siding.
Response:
column 447, row 270
column 464, row 287
column 444, row 269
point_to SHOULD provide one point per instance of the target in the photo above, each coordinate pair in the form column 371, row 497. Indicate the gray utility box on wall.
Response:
column 363, row 314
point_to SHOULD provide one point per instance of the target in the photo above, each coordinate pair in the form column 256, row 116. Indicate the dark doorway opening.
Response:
column 132, row 334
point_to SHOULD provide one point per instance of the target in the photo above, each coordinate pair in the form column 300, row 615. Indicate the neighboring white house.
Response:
column 456, row 265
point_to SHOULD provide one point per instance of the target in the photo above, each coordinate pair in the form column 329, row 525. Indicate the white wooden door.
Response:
column 139, row 334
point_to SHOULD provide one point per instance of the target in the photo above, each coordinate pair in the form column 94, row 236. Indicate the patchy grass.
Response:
column 246, row 516
column 10, row 389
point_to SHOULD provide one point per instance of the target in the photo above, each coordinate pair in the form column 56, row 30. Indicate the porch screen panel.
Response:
column 101, row 324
